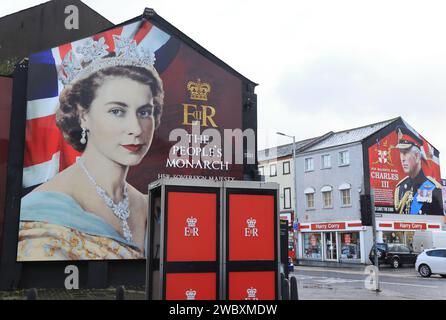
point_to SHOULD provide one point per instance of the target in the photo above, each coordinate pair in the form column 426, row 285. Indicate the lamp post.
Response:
column 294, row 179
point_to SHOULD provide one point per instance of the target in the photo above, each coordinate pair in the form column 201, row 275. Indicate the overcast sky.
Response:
column 321, row 65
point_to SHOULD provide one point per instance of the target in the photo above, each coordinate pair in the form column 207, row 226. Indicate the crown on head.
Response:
column 251, row 222
column 191, row 221
column 251, row 292
column 198, row 90
column 93, row 56
column 190, row 294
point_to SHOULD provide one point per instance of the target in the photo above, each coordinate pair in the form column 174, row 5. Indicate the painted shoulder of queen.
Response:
column 108, row 111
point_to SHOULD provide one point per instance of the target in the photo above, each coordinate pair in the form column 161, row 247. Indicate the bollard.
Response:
column 120, row 293
column 285, row 289
column 31, row 294
column 293, row 285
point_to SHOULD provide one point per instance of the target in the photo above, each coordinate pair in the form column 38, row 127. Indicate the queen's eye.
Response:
column 117, row 112
column 145, row 112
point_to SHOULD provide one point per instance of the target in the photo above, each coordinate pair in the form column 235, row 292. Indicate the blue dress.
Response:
column 53, row 226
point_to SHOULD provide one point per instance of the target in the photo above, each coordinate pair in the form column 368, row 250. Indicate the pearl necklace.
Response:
column 120, row 209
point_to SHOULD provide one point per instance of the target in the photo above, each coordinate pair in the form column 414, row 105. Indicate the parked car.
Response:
column 395, row 254
column 432, row 261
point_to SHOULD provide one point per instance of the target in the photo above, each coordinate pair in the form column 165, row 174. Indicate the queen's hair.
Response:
column 83, row 92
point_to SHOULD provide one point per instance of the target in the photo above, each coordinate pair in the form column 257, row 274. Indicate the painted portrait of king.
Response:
column 416, row 193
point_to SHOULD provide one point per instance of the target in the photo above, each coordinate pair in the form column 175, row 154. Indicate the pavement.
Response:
column 321, row 283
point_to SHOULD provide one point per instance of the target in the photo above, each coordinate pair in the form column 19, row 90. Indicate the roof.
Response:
column 282, row 151
column 328, row 140
column 347, row 136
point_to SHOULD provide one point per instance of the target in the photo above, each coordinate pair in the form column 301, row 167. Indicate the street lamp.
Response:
column 294, row 178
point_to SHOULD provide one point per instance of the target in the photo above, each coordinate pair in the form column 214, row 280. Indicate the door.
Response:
column 405, row 255
column 331, row 246
column 435, row 260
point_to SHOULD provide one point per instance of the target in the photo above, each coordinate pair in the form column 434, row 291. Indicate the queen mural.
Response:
column 109, row 108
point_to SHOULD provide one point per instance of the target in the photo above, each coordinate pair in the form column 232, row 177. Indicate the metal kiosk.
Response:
column 212, row 240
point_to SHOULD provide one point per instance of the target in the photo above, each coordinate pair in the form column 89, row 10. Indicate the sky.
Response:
column 321, row 65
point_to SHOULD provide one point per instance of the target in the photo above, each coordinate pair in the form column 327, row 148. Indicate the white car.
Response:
column 431, row 261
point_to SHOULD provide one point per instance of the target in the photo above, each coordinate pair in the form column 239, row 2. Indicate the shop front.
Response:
column 332, row 241
column 402, row 232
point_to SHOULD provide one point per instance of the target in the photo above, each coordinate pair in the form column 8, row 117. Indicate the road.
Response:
column 316, row 283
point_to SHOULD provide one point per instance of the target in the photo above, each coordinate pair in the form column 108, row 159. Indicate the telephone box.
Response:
column 212, row 240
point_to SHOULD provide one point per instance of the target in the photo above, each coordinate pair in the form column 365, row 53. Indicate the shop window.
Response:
column 393, row 237
column 261, row 171
column 350, row 246
column 312, row 246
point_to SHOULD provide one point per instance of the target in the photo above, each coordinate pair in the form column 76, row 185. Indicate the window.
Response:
column 261, row 171
column 437, row 253
column 350, row 246
column 309, row 165
column 312, row 246
column 310, row 200
column 273, row 170
column 345, row 197
column 404, row 249
column 326, row 161
column 286, row 167
column 287, row 198
column 344, row 158
column 345, row 194
column 309, row 195
column 327, row 196
column 327, row 199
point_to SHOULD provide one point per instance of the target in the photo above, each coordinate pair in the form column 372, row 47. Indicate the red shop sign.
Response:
column 410, row 226
column 328, row 226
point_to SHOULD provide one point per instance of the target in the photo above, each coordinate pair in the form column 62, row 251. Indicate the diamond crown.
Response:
column 198, row 90
column 191, row 221
column 251, row 222
column 93, row 56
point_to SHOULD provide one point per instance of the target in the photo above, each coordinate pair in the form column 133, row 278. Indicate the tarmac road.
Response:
column 316, row 283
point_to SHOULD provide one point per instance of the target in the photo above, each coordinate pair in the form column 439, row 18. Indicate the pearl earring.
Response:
column 84, row 135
